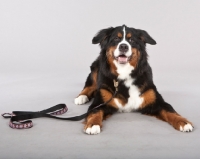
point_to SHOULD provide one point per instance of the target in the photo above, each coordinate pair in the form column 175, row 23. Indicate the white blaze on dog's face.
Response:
column 123, row 52
column 123, row 46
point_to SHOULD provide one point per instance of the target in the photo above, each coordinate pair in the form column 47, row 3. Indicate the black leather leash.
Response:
column 21, row 119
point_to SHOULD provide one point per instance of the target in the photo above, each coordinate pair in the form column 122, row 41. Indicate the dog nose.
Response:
column 123, row 47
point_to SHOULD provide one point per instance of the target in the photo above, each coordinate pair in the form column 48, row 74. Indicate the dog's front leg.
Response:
column 89, row 89
column 93, row 123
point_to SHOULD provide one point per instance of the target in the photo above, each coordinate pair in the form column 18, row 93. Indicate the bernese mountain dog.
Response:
column 123, row 58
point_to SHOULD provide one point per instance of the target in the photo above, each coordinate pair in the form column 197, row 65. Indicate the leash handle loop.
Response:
column 18, row 119
column 21, row 119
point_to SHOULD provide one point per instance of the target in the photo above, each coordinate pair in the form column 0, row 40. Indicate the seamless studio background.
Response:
column 46, row 51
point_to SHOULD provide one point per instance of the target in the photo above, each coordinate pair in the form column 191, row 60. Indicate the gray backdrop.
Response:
column 46, row 51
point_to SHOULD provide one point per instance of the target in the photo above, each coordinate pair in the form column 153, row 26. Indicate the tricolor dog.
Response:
column 123, row 58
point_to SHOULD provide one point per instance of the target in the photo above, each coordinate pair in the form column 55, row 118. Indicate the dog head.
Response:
column 123, row 45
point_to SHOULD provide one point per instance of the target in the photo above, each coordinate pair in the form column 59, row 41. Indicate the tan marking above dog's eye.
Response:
column 128, row 35
column 119, row 35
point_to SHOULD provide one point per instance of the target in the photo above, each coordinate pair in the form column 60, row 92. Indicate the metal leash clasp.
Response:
column 116, row 83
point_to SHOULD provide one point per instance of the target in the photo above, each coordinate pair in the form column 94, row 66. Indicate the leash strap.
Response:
column 21, row 119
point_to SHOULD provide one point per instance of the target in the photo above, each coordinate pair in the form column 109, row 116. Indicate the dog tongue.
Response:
column 122, row 59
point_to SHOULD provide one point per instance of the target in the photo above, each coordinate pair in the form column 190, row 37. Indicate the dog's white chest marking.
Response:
column 134, row 100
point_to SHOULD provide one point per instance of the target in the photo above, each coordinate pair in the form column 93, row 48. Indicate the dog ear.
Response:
column 145, row 37
column 102, row 36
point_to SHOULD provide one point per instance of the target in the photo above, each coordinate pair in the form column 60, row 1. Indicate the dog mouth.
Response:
column 122, row 59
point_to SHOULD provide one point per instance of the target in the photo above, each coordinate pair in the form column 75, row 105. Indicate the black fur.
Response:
column 142, row 74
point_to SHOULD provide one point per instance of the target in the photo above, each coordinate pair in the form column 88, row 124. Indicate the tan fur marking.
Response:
column 121, row 99
column 94, row 119
column 174, row 119
column 94, row 77
column 128, row 35
column 143, row 87
column 106, row 95
column 149, row 98
column 110, row 58
column 142, row 38
column 119, row 35
column 135, row 57
column 106, row 117
column 88, row 91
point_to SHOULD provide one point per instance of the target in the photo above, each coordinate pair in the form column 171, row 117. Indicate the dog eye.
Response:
column 131, row 40
column 116, row 39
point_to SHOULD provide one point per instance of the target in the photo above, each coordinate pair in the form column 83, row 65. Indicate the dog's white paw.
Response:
column 82, row 99
column 95, row 129
column 186, row 128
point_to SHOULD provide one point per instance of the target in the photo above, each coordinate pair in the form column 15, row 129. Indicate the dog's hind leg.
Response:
column 153, row 104
column 177, row 121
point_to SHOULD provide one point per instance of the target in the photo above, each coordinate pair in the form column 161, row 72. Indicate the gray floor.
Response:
column 46, row 51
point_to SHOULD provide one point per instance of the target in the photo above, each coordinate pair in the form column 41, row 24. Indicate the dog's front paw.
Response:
column 95, row 129
column 186, row 127
column 82, row 99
